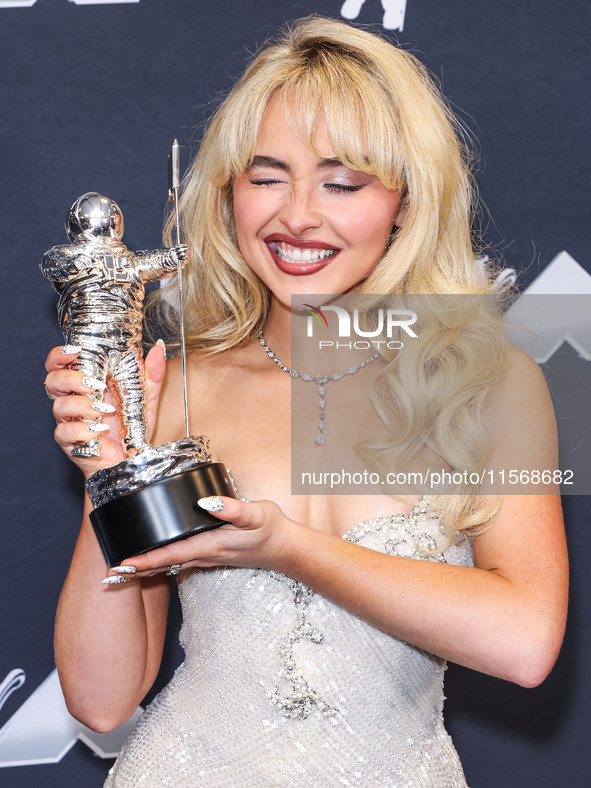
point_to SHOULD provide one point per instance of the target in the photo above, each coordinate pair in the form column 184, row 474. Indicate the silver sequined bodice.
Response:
column 281, row 687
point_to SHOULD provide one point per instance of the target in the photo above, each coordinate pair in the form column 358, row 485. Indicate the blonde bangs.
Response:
column 331, row 86
column 361, row 121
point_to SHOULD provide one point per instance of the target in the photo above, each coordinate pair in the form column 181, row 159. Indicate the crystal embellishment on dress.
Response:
column 418, row 534
column 298, row 702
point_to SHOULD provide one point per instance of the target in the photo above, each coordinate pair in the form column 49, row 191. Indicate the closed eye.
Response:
column 343, row 187
column 333, row 187
column 264, row 181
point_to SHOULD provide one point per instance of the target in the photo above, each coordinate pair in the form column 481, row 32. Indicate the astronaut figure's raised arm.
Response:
column 160, row 263
column 61, row 263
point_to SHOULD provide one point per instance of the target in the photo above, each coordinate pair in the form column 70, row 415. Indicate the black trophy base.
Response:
column 159, row 513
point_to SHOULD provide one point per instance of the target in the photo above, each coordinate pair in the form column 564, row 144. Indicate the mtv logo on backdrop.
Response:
column 555, row 310
column 42, row 730
column 393, row 19
column 394, row 11
column 29, row 3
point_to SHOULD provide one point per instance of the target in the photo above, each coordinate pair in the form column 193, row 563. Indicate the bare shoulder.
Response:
column 526, row 538
column 524, row 376
column 525, row 542
column 521, row 416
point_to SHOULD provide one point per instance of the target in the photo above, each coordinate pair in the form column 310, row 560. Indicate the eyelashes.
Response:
column 339, row 188
column 263, row 181
column 342, row 187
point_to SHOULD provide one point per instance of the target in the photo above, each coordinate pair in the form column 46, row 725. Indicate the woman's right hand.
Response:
column 73, row 411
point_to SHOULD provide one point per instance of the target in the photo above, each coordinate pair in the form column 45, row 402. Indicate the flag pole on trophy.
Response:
column 173, row 194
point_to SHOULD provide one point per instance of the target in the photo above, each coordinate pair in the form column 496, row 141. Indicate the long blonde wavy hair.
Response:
column 386, row 117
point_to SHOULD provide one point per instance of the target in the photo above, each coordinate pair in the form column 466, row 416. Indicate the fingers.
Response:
column 64, row 381
column 242, row 514
column 201, row 550
column 207, row 548
column 155, row 363
column 252, row 538
column 155, row 371
column 70, row 433
column 59, row 357
column 80, row 410
column 76, row 407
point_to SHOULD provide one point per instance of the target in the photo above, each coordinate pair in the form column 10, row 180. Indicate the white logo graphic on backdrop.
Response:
column 12, row 682
column 42, row 730
column 554, row 313
column 394, row 11
column 101, row 2
column 550, row 324
column 29, row 3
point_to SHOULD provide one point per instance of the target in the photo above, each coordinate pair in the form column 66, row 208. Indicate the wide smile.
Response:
column 299, row 258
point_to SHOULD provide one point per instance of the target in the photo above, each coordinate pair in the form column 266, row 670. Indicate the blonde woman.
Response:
column 315, row 646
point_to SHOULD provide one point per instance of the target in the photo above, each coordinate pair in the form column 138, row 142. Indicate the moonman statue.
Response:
column 101, row 288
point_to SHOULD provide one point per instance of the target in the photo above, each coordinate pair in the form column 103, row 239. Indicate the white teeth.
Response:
column 290, row 254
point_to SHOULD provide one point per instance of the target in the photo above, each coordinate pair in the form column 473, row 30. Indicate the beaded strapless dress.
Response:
column 281, row 687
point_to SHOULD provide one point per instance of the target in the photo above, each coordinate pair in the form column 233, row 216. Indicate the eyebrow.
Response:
column 271, row 161
column 330, row 163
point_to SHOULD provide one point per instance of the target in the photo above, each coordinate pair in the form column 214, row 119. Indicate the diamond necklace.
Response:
column 320, row 380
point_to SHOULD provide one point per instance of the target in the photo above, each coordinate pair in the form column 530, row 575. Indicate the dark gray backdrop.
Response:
column 91, row 97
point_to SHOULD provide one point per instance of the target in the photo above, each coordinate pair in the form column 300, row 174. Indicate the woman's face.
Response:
column 308, row 225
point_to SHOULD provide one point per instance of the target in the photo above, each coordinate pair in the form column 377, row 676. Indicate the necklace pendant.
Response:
column 320, row 380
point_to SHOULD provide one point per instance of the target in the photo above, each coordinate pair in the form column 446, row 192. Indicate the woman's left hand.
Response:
column 256, row 534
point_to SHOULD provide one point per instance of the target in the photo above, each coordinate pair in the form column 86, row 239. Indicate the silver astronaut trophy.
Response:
column 150, row 498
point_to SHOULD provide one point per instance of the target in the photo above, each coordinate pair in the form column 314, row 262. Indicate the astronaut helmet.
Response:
column 94, row 217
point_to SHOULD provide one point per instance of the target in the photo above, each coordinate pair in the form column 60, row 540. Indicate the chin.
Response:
column 300, row 301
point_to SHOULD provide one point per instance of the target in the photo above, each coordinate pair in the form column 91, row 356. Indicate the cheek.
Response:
column 253, row 208
column 373, row 225
column 243, row 214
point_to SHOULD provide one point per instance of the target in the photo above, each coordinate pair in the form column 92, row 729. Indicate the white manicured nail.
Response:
column 93, row 383
column 115, row 579
column 124, row 570
column 160, row 343
column 96, row 427
column 213, row 503
column 69, row 349
column 102, row 407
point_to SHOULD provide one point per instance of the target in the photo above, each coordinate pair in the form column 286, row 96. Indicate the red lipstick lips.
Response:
column 303, row 267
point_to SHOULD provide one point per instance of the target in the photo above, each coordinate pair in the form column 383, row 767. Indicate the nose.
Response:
column 300, row 211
